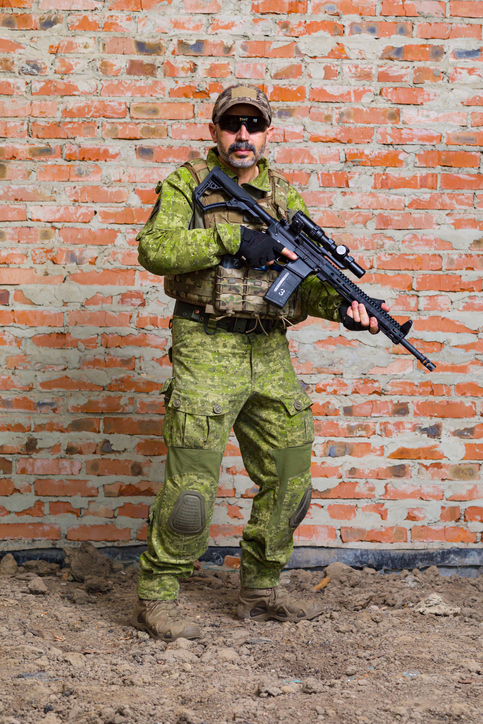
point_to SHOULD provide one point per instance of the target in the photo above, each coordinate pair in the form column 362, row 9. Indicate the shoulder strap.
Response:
column 198, row 168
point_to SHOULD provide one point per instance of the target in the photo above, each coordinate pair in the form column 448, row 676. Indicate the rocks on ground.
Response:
column 87, row 562
column 68, row 654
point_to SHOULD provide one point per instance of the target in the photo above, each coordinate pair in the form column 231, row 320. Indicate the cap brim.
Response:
column 242, row 101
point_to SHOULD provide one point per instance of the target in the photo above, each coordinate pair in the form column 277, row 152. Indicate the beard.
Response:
column 242, row 146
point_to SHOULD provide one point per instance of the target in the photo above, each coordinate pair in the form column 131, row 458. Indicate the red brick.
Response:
column 381, row 30
column 105, row 532
column 416, row 514
column 347, row 490
column 285, row 7
column 63, row 507
column 106, row 277
column 455, row 159
column 63, row 130
column 204, row 48
column 105, row 466
column 131, row 88
column 95, row 109
column 376, row 509
column 375, row 116
column 405, row 491
column 29, row 531
column 414, row 8
column 35, row 511
column 344, row 7
column 268, row 49
column 151, row 448
column 408, row 136
column 375, row 158
column 99, row 510
column 337, row 511
column 178, row 68
column 300, row 155
column 451, row 534
column 443, row 31
column 98, row 237
column 473, row 514
column 393, row 74
column 409, row 96
column 65, row 488
column 91, row 153
column 473, row 451
column 216, row 70
column 62, row 88
column 178, row 111
column 395, row 534
column 101, row 405
column 446, row 282
column 10, row 46
column 315, row 534
column 450, row 514
column 464, row 138
column 133, row 510
column 466, row 8
column 338, row 94
column 46, row 466
column 342, row 135
column 128, row 46
column 131, row 489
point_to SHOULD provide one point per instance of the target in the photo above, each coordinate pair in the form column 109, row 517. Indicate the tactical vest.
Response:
column 230, row 288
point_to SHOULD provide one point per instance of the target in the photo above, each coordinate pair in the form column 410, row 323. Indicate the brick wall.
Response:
column 379, row 114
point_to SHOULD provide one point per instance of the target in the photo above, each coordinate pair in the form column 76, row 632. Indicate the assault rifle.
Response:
column 316, row 254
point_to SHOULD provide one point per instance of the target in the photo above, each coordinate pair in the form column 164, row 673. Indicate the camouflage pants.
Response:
column 244, row 381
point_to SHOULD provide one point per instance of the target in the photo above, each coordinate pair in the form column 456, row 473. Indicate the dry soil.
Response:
column 377, row 655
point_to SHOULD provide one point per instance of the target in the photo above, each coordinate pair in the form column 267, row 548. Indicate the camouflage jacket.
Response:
column 167, row 244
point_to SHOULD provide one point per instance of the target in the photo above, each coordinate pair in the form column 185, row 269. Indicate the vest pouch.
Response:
column 240, row 292
column 194, row 287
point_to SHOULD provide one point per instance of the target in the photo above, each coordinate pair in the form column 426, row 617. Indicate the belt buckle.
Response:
column 211, row 325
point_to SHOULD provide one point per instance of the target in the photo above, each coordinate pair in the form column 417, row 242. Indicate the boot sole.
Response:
column 261, row 617
column 143, row 627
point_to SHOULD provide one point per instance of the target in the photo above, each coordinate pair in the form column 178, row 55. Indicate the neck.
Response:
column 245, row 175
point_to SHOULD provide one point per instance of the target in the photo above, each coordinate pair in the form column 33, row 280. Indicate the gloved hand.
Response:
column 348, row 322
column 257, row 248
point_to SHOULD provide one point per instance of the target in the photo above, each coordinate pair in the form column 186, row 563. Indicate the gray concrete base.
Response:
column 463, row 561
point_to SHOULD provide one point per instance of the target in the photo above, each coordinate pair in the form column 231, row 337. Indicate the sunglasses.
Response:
column 253, row 124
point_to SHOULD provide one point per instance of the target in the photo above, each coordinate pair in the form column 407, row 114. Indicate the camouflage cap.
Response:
column 240, row 93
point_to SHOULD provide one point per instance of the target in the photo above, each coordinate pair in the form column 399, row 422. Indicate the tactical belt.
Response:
column 228, row 324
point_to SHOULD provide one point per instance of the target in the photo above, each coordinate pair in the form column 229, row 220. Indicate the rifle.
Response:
column 316, row 254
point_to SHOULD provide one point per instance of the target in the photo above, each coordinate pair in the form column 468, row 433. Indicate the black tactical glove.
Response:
column 348, row 322
column 257, row 248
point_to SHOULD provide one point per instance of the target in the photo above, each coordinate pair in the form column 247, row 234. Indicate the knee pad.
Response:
column 188, row 516
column 302, row 510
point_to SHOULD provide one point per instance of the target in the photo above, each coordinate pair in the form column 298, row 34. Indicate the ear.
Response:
column 270, row 132
column 213, row 132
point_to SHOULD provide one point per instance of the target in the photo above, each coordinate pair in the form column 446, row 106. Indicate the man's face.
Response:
column 240, row 149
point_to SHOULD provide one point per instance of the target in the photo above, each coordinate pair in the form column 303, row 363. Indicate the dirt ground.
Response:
column 375, row 656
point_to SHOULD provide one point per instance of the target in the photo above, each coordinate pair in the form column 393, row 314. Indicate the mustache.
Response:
column 241, row 146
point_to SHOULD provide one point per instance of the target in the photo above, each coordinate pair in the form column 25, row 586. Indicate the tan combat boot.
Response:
column 163, row 620
column 260, row 604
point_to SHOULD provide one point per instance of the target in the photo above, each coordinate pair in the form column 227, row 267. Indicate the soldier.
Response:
column 231, row 368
